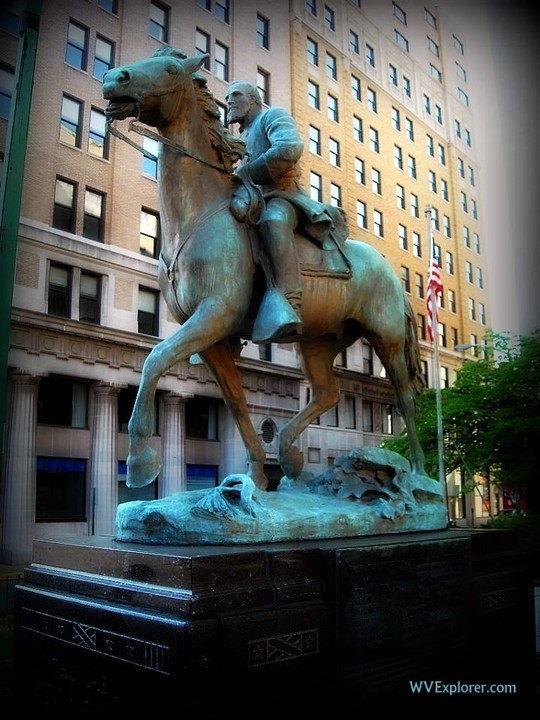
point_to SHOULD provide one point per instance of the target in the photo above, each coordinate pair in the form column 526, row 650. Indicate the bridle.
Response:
column 145, row 132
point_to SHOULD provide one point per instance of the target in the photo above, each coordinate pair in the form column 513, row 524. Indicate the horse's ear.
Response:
column 192, row 64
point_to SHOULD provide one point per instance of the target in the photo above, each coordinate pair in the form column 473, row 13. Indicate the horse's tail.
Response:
column 412, row 352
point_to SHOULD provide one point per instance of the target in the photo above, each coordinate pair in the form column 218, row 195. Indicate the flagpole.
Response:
column 432, row 298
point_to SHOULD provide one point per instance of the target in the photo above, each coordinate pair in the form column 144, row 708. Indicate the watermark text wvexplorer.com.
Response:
column 437, row 687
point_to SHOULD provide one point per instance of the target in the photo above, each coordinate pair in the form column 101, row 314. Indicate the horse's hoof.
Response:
column 142, row 468
column 292, row 462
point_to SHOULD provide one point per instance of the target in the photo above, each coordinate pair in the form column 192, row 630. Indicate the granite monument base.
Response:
column 104, row 628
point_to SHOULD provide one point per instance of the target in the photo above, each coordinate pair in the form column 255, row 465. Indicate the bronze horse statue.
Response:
column 211, row 279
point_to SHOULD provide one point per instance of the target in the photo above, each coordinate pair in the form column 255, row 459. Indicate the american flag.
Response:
column 434, row 289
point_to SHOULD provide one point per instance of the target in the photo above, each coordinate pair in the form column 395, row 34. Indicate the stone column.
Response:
column 104, row 460
column 172, row 478
column 19, row 511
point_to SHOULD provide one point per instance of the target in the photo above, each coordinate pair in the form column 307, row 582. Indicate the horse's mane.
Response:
column 230, row 147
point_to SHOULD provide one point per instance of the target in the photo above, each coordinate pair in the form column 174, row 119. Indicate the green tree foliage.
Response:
column 491, row 417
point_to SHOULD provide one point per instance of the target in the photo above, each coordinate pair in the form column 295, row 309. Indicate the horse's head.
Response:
column 149, row 89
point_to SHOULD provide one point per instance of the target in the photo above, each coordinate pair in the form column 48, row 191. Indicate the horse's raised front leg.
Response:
column 220, row 360
column 208, row 325
column 318, row 357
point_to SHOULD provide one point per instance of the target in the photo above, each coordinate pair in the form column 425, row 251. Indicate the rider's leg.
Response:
column 277, row 224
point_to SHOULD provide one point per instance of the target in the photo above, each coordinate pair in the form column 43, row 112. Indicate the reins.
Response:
column 159, row 138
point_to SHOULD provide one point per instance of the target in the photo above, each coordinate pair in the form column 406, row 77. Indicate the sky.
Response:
column 503, row 57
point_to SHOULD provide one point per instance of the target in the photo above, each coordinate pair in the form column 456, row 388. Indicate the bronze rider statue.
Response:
column 274, row 148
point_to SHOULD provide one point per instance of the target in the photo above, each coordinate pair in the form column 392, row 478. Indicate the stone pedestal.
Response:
column 104, row 628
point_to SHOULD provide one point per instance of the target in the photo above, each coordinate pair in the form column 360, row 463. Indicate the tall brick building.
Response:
column 380, row 93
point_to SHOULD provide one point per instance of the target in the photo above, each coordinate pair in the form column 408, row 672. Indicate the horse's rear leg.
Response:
column 318, row 356
column 220, row 360
column 396, row 366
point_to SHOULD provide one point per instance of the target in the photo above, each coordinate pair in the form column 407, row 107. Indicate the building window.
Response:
column 435, row 73
column 263, row 32
column 314, row 140
column 458, row 44
column 378, row 226
column 482, row 312
column 421, row 326
column 314, row 99
column 149, row 161
column 205, row 4
column 441, row 327
column 372, row 100
column 158, row 22
column 150, row 234
column 335, row 195
column 103, row 57
column 109, row 5
column 7, row 85
column 396, row 121
column 70, row 121
column 202, row 418
column 427, row 104
column 472, row 309
column 412, row 167
column 312, row 51
column 221, row 10
column 90, row 298
column 407, row 87
column 393, row 75
column 367, row 358
column 432, row 180
column 331, row 66
column 401, row 40
column 471, row 176
column 432, row 46
column 60, row 489
column 449, row 262
column 409, row 129
column 263, row 85
column 405, row 279
column 438, row 114
column 62, row 402
column 402, row 237
column 333, row 152
column 452, row 301
column 359, row 171
column 430, row 18
column 64, row 205
column 77, row 46
column 356, row 88
column 419, row 282
column 376, row 181
column 315, row 186
column 10, row 20
column 329, row 18
column 202, row 46
column 479, row 277
column 358, row 129
column 361, row 215
column 367, row 416
column 461, row 72
column 370, row 55
column 447, row 229
column 477, row 243
column 399, row 13
column 148, row 314
column 333, row 108
column 221, row 62
column 413, row 201
column 374, row 139
column 398, row 157
column 400, row 196
column 349, row 402
column 430, row 146
column 417, row 244
column 444, row 190
column 94, row 215
column 311, row 7
column 354, row 42
column 59, row 291
column 98, row 144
